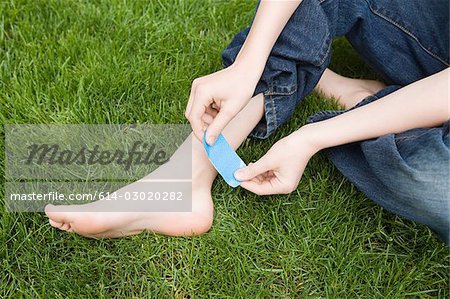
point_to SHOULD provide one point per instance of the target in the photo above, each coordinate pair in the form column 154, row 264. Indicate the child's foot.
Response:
column 347, row 91
column 91, row 220
column 93, row 224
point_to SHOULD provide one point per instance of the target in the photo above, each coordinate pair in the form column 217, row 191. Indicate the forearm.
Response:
column 270, row 19
column 424, row 103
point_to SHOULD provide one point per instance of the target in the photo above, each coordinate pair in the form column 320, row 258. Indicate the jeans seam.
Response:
column 270, row 115
column 389, row 20
column 408, row 137
column 272, row 111
column 270, row 92
column 327, row 52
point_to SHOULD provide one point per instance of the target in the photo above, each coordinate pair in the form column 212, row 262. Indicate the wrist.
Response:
column 311, row 138
column 251, row 68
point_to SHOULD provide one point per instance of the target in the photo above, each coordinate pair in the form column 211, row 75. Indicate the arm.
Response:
column 215, row 99
column 424, row 103
column 270, row 19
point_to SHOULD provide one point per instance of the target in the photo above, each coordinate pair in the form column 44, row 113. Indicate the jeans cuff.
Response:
column 275, row 112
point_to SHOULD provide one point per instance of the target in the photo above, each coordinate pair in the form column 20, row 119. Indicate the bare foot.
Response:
column 91, row 221
column 121, row 224
column 347, row 91
column 96, row 220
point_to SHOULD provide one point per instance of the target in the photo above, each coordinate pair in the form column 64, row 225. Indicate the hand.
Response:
column 280, row 169
column 215, row 100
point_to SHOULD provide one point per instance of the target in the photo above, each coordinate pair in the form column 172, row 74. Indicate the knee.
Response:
column 428, row 203
column 438, row 211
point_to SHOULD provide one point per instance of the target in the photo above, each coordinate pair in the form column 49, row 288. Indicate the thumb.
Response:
column 218, row 124
column 252, row 170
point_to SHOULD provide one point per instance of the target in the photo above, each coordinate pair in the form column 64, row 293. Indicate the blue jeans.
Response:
column 406, row 173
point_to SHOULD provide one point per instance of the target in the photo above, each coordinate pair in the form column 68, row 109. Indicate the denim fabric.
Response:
column 296, row 63
column 403, row 42
column 407, row 173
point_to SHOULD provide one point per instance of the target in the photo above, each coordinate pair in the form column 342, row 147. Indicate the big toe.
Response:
column 58, row 216
column 76, row 219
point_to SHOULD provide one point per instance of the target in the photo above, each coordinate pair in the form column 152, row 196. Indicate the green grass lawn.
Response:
column 133, row 62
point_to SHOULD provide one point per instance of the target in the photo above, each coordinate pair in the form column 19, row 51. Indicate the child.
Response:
column 393, row 145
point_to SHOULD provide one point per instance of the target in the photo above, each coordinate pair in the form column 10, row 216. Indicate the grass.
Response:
column 133, row 62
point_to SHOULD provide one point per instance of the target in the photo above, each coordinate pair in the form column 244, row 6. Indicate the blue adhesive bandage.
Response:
column 224, row 159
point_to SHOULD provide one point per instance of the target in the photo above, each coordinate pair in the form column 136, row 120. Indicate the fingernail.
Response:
column 238, row 174
column 211, row 140
column 49, row 208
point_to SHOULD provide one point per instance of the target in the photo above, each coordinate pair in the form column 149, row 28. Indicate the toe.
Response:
column 55, row 224
column 55, row 214
column 65, row 226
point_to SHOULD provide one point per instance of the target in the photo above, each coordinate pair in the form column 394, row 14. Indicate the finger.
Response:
column 207, row 118
column 263, row 188
column 216, row 127
column 258, row 179
column 210, row 110
column 201, row 101
column 269, row 175
column 260, row 167
column 215, row 106
column 187, row 112
column 262, row 178
column 191, row 100
column 198, row 127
